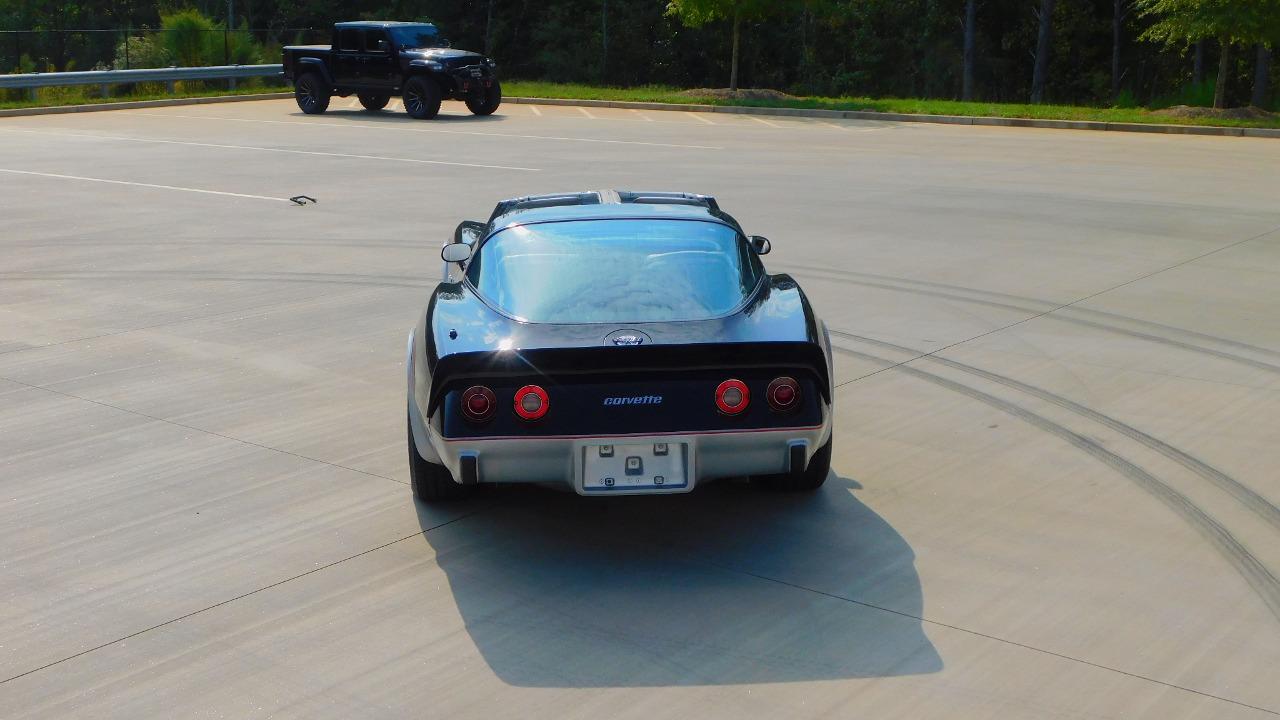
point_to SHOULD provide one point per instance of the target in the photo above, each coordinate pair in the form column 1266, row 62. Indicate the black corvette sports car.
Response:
column 620, row 342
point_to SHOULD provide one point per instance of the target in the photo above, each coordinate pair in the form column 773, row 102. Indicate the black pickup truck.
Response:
column 376, row 60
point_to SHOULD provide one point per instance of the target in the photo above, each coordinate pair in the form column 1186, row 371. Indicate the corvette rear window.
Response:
column 615, row 271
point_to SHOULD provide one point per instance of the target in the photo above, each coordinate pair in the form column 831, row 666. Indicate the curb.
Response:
column 138, row 104
column 1094, row 125
column 1210, row 130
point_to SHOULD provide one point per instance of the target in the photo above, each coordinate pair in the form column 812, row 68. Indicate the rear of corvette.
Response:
column 505, row 386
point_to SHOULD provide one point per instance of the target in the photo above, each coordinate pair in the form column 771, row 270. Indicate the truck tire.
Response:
column 312, row 93
column 490, row 102
column 374, row 103
column 421, row 98
column 809, row 480
column 432, row 483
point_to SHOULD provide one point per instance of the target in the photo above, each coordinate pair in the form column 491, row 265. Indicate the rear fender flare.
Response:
column 417, row 423
column 310, row 64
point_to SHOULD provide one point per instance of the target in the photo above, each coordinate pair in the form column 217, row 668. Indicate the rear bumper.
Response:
column 560, row 459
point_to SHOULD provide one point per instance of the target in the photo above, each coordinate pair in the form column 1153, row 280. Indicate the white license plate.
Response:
column 651, row 466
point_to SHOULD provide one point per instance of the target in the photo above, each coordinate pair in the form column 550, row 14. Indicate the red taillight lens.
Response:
column 783, row 394
column 478, row 403
column 531, row 402
column 732, row 397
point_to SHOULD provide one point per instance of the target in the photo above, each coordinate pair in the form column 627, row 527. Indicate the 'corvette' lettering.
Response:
column 638, row 400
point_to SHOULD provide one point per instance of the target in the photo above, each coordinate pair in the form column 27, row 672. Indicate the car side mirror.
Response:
column 469, row 231
column 455, row 252
column 761, row 244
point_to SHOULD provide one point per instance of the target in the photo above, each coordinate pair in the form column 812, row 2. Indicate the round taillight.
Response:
column 783, row 394
column 478, row 403
column 531, row 402
column 732, row 397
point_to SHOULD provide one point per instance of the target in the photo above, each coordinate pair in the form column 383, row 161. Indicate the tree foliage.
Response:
column 899, row 48
column 1242, row 21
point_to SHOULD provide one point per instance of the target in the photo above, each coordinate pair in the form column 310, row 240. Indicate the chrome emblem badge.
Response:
column 627, row 337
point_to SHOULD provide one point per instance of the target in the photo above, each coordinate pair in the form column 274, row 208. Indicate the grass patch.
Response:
column 88, row 95
column 657, row 93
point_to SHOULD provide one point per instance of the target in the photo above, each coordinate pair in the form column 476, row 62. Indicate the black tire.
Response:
column 490, row 102
column 432, row 483
column 421, row 98
column 808, row 481
column 312, row 93
column 374, row 103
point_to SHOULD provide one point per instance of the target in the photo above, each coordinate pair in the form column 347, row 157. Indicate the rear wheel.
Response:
column 373, row 103
column 312, row 93
column 809, row 480
column 487, row 104
column 421, row 98
column 431, row 483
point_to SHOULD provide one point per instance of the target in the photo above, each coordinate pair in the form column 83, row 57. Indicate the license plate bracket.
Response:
column 635, row 467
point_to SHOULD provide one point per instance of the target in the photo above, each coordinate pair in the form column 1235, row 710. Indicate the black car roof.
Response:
column 608, row 205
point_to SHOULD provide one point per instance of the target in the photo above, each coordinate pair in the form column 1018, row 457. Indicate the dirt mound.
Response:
column 742, row 94
column 1240, row 113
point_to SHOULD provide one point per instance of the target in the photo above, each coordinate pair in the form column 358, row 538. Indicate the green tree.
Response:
column 1229, row 21
column 696, row 13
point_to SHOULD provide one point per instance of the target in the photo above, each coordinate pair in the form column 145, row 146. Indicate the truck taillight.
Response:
column 783, row 394
column 478, row 403
column 531, row 402
column 732, row 397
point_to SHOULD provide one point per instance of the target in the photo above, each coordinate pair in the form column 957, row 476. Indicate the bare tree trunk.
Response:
column 737, row 27
column 970, row 42
column 1261, row 76
column 604, row 40
column 1039, row 78
column 1117, row 26
column 488, row 30
column 1197, row 67
column 1224, row 66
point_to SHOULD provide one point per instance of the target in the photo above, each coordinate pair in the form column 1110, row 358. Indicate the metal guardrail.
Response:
column 169, row 75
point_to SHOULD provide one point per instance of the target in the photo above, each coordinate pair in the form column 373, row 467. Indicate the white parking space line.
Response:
column 143, row 185
column 584, row 111
column 698, row 117
column 824, row 123
column 534, row 109
column 394, row 128
column 255, row 148
column 762, row 121
column 642, row 115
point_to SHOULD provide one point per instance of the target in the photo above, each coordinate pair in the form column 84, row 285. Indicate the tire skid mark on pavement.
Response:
column 1061, row 314
column 1045, row 305
column 419, row 129
column 1263, row 582
column 1251, row 500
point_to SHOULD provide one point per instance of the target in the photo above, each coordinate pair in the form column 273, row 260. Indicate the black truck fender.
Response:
column 311, row 64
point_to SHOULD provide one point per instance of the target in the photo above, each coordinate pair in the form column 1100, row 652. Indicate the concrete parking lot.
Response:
column 1057, row 451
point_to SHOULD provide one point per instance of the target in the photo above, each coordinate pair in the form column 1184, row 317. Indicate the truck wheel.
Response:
column 490, row 102
column 373, row 103
column 312, row 93
column 432, row 483
column 421, row 98
column 809, row 480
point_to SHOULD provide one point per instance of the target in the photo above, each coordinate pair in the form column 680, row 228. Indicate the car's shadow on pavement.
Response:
column 726, row 585
column 447, row 115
